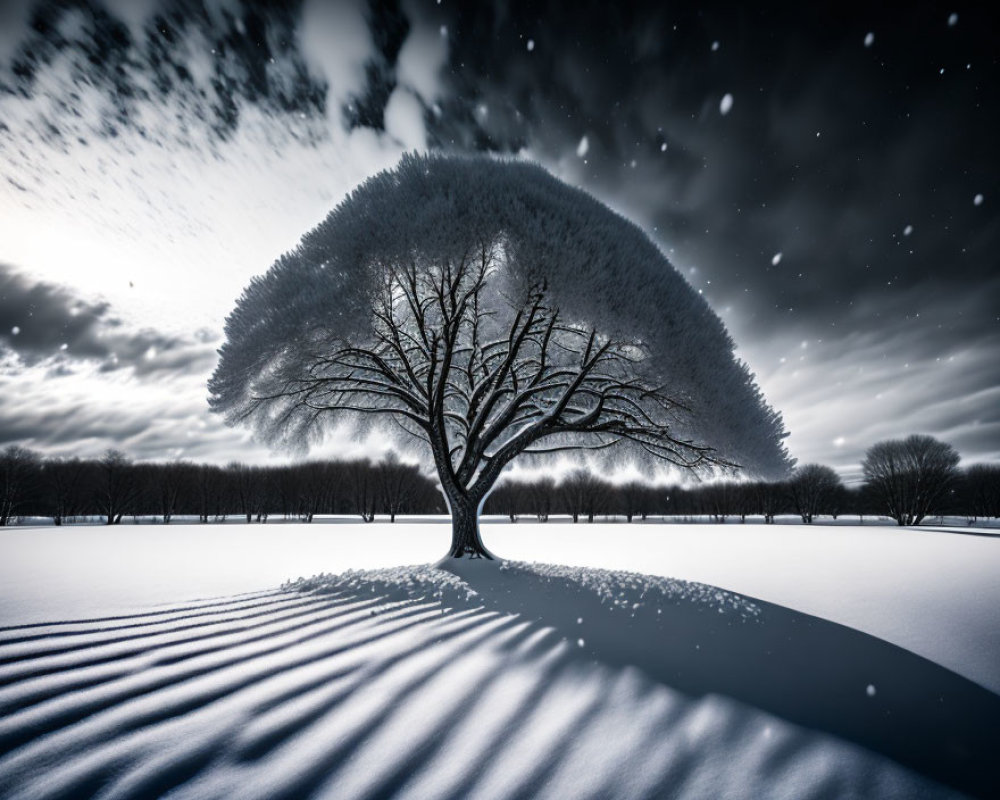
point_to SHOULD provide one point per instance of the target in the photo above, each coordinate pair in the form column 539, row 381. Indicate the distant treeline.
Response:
column 908, row 480
column 973, row 493
column 115, row 488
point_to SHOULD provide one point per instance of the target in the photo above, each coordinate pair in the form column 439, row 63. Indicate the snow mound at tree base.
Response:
column 705, row 641
column 503, row 681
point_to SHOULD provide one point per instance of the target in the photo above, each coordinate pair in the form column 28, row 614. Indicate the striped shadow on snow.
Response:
column 412, row 683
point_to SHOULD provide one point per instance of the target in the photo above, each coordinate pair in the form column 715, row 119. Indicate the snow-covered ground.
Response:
column 179, row 667
column 932, row 592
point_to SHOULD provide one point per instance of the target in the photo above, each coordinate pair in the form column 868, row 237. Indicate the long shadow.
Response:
column 35, row 686
column 172, row 647
column 56, row 644
column 186, row 760
column 994, row 534
column 16, row 731
column 807, row 670
column 216, row 606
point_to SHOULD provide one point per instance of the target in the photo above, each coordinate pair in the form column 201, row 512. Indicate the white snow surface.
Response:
column 631, row 678
column 930, row 591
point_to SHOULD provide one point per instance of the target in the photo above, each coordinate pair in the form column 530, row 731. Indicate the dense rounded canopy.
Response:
column 600, row 270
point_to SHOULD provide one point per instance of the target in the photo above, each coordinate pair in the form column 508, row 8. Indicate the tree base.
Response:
column 470, row 551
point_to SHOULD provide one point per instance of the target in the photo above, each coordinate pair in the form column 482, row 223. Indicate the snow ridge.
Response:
column 615, row 589
column 411, row 583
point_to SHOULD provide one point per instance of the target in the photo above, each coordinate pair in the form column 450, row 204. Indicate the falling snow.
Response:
column 531, row 45
column 952, row 20
column 869, row 39
column 583, row 147
column 776, row 259
column 726, row 104
column 907, row 230
column 977, row 200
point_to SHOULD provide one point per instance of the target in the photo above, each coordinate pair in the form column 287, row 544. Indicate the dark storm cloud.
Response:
column 204, row 58
column 829, row 151
column 831, row 198
column 848, row 386
column 66, row 426
column 858, row 164
column 40, row 321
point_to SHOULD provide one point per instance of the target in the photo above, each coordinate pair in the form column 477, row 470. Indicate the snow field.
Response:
column 416, row 683
column 652, row 676
column 931, row 592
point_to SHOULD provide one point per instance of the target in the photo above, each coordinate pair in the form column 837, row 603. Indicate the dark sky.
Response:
column 826, row 175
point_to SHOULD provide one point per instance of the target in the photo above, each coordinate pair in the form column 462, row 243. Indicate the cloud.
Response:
column 424, row 54
column 154, row 156
column 88, row 411
column 185, row 162
column 41, row 322
column 337, row 44
column 848, row 386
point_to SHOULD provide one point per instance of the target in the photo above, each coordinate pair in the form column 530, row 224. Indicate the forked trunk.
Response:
column 465, row 539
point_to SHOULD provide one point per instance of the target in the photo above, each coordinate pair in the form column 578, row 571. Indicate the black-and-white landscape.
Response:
column 501, row 400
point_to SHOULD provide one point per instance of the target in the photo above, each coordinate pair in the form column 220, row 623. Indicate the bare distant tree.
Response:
column 19, row 470
column 633, row 498
column 398, row 484
column 581, row 493
column 509, row 498
column 718, row 500
column 910, row 476
column 316, row 489
column 488, row 310
column 209, row 492
column 166, row 488
column 981, row 491
column 813, row 490
column 117, row 488
column 63, row 488
column 541, row 495
column 363, row 490
column 246, row 489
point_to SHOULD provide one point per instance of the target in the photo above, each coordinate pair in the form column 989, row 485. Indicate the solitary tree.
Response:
column 813, row 490
column 910, row 476
column 488, row 310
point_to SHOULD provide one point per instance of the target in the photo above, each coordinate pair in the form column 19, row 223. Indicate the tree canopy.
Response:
column 488, row 309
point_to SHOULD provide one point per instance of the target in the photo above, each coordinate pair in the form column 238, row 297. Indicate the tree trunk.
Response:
column 465, row 539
